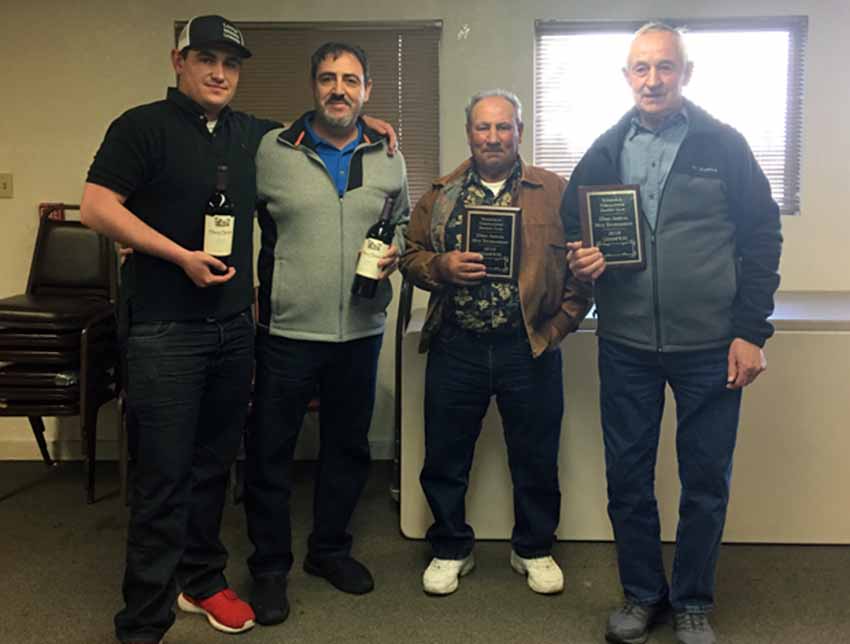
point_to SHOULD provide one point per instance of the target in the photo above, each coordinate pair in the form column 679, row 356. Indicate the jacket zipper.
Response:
column 656, row 304
column 316, row 158
column 341, row 267
column 656, row 297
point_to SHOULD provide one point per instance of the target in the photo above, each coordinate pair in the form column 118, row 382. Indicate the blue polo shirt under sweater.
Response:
column 336, row 161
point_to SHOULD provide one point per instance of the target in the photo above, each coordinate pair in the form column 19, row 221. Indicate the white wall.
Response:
column 70, row 68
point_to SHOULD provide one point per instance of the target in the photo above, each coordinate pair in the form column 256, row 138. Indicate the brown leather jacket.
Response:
column 553, row 302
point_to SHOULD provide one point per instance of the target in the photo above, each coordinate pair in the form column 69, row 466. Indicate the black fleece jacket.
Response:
column 713, row 258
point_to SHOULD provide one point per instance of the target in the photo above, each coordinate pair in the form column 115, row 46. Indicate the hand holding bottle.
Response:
column 219, row 226
column 199, row 267
column 388, row 263
column 378, row 257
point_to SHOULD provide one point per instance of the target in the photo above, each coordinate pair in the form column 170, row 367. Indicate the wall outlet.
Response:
column 6, row 185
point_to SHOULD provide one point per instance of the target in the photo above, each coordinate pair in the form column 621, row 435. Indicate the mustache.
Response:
column 338, row 98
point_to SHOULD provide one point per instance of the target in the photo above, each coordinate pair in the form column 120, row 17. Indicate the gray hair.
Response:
column 663, row 27
column 510, row 97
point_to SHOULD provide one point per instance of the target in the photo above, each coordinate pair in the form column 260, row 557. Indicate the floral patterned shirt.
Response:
column 488, row 307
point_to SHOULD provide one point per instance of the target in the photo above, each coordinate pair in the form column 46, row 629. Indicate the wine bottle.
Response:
column 378, row 240
column 219, row 222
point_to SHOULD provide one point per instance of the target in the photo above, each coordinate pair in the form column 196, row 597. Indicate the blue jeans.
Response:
column 632, row 402
column 289, row 373
column 189, row 385
column 464, row 371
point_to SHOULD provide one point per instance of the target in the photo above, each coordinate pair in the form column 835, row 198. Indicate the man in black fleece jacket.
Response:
column 695, row 318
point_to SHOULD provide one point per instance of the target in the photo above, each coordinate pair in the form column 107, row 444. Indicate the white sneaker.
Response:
column 441, row 575
column 544, row 574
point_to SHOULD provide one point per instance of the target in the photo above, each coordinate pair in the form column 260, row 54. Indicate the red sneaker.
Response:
column 225, row 611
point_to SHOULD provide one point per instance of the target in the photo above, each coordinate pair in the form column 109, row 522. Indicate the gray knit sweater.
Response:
column 311, row 235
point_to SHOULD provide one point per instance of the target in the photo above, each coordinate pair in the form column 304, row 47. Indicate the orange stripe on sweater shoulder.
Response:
column 300, row 137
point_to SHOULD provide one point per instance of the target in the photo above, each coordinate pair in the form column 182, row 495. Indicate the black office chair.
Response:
column 58, row 350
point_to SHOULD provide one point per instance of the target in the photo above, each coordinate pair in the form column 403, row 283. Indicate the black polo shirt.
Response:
column 163, row 158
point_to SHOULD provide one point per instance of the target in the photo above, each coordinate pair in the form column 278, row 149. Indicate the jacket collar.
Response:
column 611, row 142
column 671, row 120
column 296, row 134
column 529, row 175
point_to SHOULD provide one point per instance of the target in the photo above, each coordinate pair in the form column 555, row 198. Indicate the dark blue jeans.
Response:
column 289, row 372
column 464, row 371
column 189, row 385
column 632, row 401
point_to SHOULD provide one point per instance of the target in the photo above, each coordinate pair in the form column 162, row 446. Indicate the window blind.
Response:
column 748, row 72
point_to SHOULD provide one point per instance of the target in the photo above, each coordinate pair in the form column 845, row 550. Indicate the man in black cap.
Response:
column 191, row 333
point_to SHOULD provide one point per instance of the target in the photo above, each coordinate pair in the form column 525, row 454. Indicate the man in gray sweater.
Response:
column 321, row 184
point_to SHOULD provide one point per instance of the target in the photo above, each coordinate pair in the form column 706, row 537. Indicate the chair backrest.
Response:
column 71, row 259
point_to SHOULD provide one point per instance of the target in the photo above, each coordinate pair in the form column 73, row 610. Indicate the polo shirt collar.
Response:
column 320, row 142
column 676, row 118
column 189, row 106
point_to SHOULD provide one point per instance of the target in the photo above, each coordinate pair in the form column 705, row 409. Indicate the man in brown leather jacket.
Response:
column 489, row 337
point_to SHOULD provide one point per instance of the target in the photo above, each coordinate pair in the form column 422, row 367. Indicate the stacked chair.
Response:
column 58, row 346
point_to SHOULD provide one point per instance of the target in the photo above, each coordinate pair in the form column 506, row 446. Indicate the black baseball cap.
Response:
column 209, row 31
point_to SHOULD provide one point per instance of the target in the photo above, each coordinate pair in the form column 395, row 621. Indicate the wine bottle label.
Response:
column 370, row 253
column 218, row 234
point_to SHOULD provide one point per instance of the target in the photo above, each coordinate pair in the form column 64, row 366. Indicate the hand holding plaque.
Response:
column 493, row 231
column 610, row 220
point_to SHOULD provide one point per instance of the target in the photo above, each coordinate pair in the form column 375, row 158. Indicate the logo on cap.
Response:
column 209, row 30
column 231, row 33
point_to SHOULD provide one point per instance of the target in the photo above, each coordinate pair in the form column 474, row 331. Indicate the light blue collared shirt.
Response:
column 648, row 156
column 336, row 161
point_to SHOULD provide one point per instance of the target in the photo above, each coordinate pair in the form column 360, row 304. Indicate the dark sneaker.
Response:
column 345, row 573
column 631, row 623
column 693, row 628
column 268, row 599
